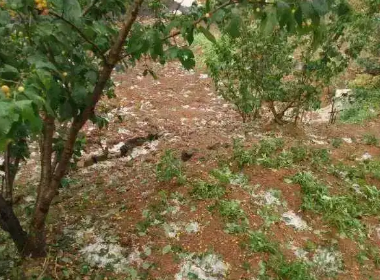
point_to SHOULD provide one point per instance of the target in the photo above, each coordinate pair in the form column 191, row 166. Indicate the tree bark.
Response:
column 8, row 195
column 51, row 179
column 10, row 224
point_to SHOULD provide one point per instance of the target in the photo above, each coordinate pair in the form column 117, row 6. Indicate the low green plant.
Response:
column 283, row 269
column 258, row 242
column 269, row 146
column 205, row 190
column 243, row 156
column 370, row 139
column 234, row 216
column 320, row 157
column 295, row 270
column 364, row 108
column 336, row 142
column 269, row 214
column 299, row 153
column 342, row 211
column 170, row 167
column 225, row 176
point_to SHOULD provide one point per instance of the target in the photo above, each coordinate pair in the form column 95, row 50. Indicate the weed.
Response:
column 234, row 216
column 336, row 142
column 299, row 153
column 269, row 214
column 364, row 108
column 225, row 176
column 258, row 242
column 205, row 190
column 370, row 139
column 242, row 156
column 269, row 146
column 296, row 270
column 169, row 168
column 342, row 211
column 320, row 157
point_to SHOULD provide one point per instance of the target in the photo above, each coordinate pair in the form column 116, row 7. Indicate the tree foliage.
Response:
column 286, row 71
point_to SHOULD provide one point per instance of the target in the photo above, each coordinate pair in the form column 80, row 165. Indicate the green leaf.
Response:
column 28, row 114
column 8, row 72
column 187, row 31
column 307, row 9
column 172, row 52
column 72, row 9
column 66, row 111
column 207, row 34
column 166, row 249
column 40, row 62
column 79, row 95
column 4, row 17
column 233, row 27
column 285, row 16
column 270, row 20
column 218, row 16
column 187, row 59
column 320, row 6
column 156, row 45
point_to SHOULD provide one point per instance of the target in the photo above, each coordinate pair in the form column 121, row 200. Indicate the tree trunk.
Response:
column 51, row 177
column 10, row 224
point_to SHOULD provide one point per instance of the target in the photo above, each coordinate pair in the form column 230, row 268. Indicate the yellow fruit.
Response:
column 207, row 15
column 21, row 89
column 64, row 74
column 5, row 89
column 258, row 10
column 40, row 6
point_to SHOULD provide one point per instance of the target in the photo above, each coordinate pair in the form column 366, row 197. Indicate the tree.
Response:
column 286, row 72
column 56, row 59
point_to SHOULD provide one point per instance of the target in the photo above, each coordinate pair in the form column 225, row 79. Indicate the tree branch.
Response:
column 111, row 61
column 226, row 4
column 86, row 10
column 98, row 51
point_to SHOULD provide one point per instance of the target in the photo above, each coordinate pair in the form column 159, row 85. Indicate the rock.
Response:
column 291, row 219
column 365, row 157
column 347, row 140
